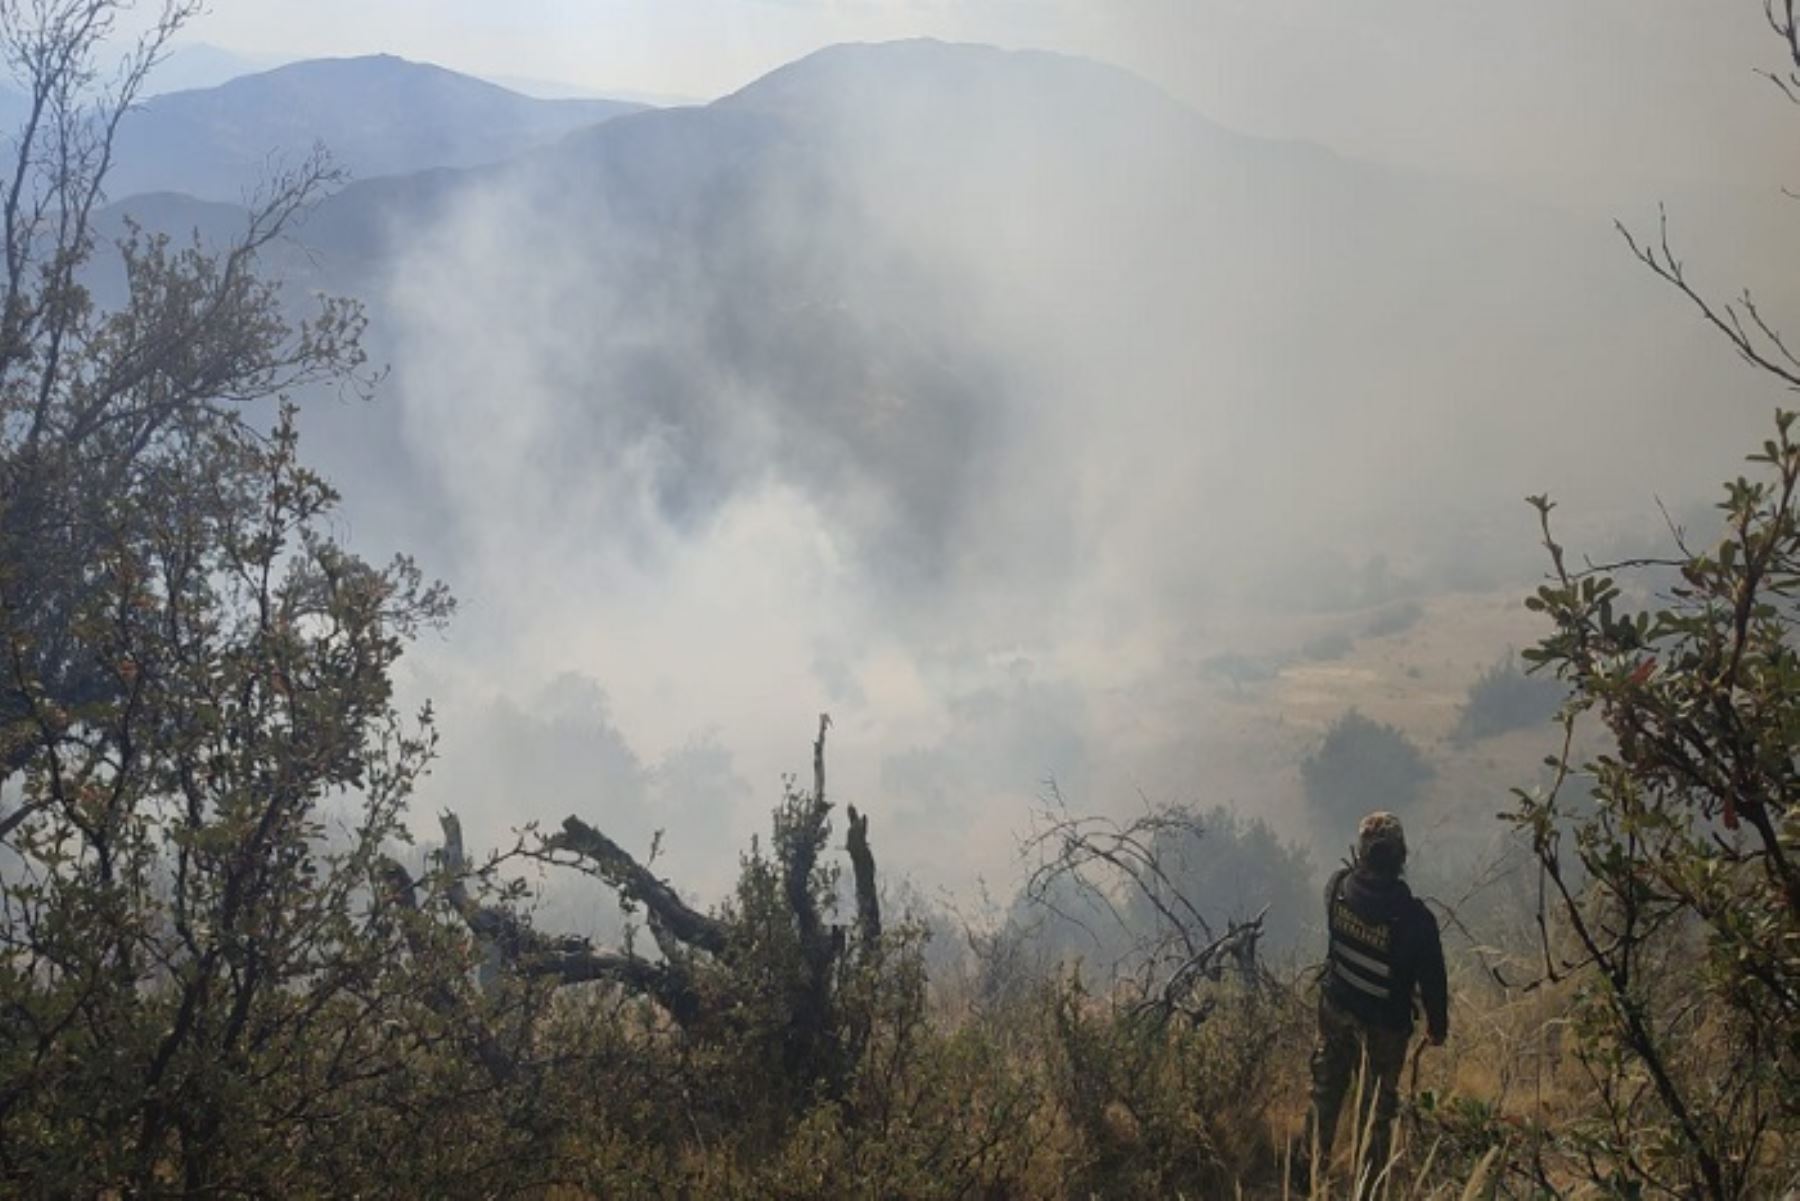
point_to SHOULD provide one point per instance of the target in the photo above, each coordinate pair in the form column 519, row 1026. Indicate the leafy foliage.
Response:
column 1683, row 854
column 1168, row 1110
column 1687, row 842
column 195, row 704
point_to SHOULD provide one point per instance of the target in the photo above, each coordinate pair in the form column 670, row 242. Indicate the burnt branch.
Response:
column 568, row 959
column 776, row 952
column 600, row 856
column 1236, row 949
column 1128, row 858
column 800, row 835
column 862, row 866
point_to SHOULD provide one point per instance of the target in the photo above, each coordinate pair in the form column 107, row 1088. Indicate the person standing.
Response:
column 1383, row 947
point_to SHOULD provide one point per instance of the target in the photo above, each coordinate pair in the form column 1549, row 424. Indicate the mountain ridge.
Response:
column 376, row 114
column 875, row 292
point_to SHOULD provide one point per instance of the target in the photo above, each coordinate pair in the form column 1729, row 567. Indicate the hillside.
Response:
column 824, row 644
column 981, row 356
column 378, row 115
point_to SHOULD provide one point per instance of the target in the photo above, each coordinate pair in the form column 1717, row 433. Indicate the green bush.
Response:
column 1505, row 698
column 1363, row 765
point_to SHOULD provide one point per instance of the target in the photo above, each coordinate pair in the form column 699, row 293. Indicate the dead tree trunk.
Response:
column 862, row 866
column 707, row 960
column 565, row 958
column 634, row 882
column 811, row 1049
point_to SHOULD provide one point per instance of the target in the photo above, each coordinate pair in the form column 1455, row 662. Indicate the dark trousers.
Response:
column 1345, row 1044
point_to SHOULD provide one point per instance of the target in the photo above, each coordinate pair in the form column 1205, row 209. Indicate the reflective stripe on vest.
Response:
column 1360, row 949
column 1355, row 981
column 1366, row 962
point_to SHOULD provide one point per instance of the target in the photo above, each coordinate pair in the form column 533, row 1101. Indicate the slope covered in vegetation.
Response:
column 226, row 970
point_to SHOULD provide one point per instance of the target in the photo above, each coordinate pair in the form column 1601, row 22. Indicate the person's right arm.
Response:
column 1434, row 985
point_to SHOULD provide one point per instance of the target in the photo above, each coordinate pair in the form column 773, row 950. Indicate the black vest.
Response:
column 1369, row 969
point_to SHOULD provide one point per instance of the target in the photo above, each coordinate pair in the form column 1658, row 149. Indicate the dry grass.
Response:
column 1246, row 740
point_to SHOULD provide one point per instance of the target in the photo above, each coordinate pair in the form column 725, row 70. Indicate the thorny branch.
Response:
column 1098, row 861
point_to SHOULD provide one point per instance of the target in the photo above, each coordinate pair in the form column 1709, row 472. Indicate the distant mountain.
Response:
column 930, row 81
column 378, row 115
column 192, row 65
column 1008, row 317
column 556, row 89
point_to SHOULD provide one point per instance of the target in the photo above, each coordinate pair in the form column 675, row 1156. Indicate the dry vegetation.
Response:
column 225, row 971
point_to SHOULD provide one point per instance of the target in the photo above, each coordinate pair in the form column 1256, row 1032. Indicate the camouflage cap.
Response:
column 1380, row 827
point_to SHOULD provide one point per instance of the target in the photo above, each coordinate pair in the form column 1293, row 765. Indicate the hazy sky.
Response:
column 1590, row 102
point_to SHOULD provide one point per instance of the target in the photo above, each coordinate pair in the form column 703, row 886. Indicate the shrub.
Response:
column 1505, row 698
column 1363, row 765
column 205, row 990
column 1177, row 1109
column 1675, row 875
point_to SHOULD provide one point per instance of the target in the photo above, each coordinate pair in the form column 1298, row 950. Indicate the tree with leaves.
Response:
column 204, row 989
column 1671, row 860
column 1363, row 765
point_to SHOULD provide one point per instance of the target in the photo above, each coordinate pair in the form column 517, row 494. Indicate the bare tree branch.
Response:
column 610, row 862
column 1739, row 321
